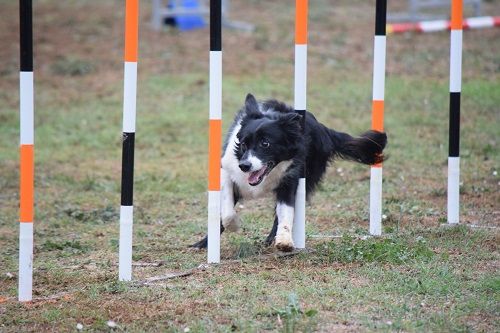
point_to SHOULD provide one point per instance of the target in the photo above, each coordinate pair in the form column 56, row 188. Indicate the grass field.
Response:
column 420, row 276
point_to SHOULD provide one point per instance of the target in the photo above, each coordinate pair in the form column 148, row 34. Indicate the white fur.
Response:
column 230, row 219
column 285, row 214
column 255, row 162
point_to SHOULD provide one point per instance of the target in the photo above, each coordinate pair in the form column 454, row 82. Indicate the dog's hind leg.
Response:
column 272, row 235
column 202, row 244
column 229, row 218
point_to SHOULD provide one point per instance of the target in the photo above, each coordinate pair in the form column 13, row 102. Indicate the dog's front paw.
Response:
column 284, row 242
column 231, row 222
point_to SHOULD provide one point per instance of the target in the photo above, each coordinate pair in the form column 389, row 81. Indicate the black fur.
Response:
column 272, row 132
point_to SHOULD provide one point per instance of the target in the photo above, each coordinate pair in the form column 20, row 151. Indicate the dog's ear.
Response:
column 291, row 119
column 251, row 106
column 291, row 124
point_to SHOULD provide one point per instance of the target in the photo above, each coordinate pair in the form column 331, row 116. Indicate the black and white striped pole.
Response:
column 454, row 130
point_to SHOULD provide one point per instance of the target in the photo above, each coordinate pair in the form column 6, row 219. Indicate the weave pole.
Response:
column 27, row 166
column 378, row 114
column 215, row 132
column 454, row 131
column 129, row 111
column 300, row 93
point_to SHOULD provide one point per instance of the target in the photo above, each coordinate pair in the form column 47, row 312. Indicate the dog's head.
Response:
column 265, row 139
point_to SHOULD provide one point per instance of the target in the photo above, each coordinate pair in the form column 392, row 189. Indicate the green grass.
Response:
column 390, row 250
column 415, row 279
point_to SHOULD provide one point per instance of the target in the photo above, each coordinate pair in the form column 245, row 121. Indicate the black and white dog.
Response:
column 265, row 152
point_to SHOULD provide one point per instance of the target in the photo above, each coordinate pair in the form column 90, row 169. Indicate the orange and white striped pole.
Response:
column 300, row 93
column 129, row 113
column 378, row 113
column 215, row 132
column 27, row 165
column 454, row 129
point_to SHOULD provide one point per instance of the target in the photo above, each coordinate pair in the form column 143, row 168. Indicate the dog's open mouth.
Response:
column 256, row 177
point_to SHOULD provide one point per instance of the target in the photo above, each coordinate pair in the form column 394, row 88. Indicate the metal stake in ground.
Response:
column 454, row 132
column 129, row 111
column 27, row 166
column 300, row 93
column 378, row 114
column 215, row 133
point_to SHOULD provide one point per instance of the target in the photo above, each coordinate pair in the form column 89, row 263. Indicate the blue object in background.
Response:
column 188, row 22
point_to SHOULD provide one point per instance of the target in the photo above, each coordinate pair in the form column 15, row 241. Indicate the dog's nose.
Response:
column 245, row 166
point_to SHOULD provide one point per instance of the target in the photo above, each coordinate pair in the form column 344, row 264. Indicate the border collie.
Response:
column 264, row 154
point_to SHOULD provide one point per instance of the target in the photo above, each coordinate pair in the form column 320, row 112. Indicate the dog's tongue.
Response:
column 255, row 176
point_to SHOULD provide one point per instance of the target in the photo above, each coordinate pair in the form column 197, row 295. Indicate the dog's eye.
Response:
column 243, row 146
column 264, row 143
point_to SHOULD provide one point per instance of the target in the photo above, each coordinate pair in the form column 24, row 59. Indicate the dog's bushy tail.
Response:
column 367, row 148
